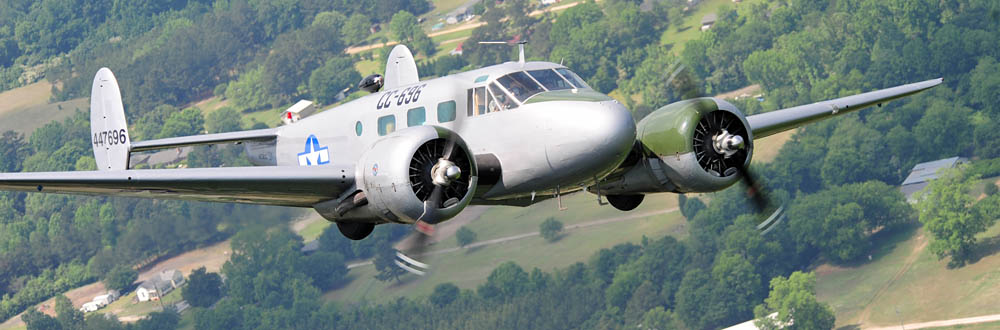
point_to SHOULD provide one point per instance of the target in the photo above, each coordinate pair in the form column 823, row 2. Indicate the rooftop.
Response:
column 924, row 172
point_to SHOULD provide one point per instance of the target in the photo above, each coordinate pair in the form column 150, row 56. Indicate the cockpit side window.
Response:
column 519, row 84
column 477, row 101
column 550, row 79
column 503, row 101
column 572, row 77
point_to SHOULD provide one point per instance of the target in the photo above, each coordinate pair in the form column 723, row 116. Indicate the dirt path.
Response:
column 749, row 90
column 945, row 323
column 535, row 233
column 211, row 257
column 914, row 254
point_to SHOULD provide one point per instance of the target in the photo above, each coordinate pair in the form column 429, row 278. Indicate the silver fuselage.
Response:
column 560, row 142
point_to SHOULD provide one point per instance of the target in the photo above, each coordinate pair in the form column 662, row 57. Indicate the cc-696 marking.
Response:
column 400, row 97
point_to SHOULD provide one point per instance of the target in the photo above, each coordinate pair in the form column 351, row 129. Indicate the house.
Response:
column 298, row 111
column 457, row 51
column 923, row 173
column 310, row 248
column 708, row 20
column 159, row 285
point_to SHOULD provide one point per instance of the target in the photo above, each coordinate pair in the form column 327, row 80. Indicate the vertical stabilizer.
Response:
column 108, row 130
column 400, row 68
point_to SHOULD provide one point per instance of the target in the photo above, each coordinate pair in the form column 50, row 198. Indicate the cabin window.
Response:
column 550, row 79
column 477, row 101
column 500, row 101
column 572, row 77
column 519, row 84
column 358, row 128
column 416, row 117
column 386, row 125
column 446, row 111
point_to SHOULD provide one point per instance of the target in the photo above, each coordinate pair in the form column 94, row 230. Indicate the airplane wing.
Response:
column 270, row 185
column 777, row 121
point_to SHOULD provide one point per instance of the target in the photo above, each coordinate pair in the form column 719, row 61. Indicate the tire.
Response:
column 625, row 202
column 355, row 230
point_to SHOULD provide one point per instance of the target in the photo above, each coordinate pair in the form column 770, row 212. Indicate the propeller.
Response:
column 441, row 183
column 721, row 147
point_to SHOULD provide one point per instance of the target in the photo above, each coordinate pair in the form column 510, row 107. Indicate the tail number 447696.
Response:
column 110, row 138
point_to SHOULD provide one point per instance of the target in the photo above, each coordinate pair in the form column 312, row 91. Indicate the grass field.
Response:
column 905, row 277
column 691, row 28
column 767, row 148
column 27, row 96
column 26, row 120
column 21, row 108
column 124, row 308
column 467, row 268
column 316, row 225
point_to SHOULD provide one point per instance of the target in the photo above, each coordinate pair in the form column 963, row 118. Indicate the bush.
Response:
column 203, row 288
column 990, row 189
column 550, row 229
column 465, row 236
column 120, row 278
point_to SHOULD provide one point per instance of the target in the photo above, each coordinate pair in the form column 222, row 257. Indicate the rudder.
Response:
column 108, row 129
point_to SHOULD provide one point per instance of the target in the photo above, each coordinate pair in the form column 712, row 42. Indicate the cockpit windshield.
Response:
column 519, row 84
column 550, row 79
column 572, row 77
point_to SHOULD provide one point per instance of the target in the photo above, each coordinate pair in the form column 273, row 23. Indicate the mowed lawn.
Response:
column 27, row 108
column 468, row 268
column 25, row 96
column 926, row 290
column 691, row 28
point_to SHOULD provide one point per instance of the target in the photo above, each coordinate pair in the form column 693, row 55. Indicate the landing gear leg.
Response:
column 625, row 202
column 355, row 230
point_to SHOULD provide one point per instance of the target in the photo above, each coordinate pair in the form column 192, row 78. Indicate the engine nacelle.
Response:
column 700, row 144
column 396, row 175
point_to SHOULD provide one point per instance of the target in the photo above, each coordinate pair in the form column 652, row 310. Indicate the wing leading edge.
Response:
column 271, row 185
column 774, row 122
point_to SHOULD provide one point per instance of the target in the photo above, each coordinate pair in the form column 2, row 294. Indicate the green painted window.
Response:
column 386, row 125
column 446, row 111
column 358, row 128
column 416, row 117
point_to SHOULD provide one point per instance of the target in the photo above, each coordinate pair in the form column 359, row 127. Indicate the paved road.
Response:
column 945, row 323
column 601, row 222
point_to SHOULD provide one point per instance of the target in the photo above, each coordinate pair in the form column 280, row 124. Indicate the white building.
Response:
column 159, row 285
column 298, row 111
column 100, row 301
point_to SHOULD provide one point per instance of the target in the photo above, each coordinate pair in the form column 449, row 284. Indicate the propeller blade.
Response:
column 754, row 189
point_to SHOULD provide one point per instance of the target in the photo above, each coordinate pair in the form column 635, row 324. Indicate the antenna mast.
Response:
column 520, row 48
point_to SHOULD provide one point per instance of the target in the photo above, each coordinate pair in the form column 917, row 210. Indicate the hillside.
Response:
column 906, row 283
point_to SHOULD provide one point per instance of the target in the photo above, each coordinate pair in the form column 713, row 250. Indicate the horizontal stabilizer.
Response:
column 184, row 141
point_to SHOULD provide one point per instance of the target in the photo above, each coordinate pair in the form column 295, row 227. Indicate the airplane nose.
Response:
column 590, row 139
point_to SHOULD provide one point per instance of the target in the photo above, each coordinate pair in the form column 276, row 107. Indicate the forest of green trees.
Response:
column 838, row 177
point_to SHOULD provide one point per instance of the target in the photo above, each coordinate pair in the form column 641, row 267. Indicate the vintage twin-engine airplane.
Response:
column 421, row 151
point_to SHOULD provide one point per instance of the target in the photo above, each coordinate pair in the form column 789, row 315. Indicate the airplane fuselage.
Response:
column 554, row 141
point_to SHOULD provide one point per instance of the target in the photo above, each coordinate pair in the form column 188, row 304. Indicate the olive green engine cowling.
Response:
column 671, row 133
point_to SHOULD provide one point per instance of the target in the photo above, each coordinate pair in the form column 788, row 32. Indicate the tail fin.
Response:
column 108, row 128
column 400, row 68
